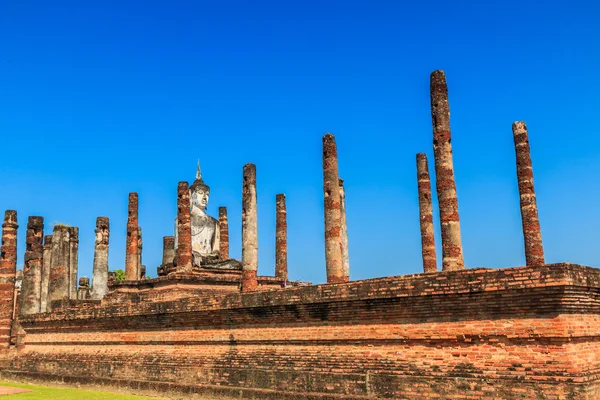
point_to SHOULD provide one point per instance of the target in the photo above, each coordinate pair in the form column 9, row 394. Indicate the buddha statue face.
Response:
column 199, row 197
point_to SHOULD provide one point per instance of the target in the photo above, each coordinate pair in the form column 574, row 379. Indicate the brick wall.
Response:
column 529, row 332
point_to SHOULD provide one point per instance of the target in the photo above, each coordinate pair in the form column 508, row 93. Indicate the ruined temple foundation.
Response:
column 470, row 334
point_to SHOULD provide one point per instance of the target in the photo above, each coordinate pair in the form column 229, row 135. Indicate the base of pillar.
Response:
column 249, row 281
column 337, row 279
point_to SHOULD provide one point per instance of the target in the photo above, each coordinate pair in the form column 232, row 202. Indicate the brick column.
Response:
column 534, row 251
column 31, row 288
column 100, row 272
column 184, row 259
column 452, row 256
column 139, row 268
column 224, row 233
column 58, row 283
column 47, row 261
column 281, row 265
column 333, row 219
column 8, row 269
column 73, row 261
column 83, row 292
column 249, row 229
column 132, row 249
column 426, row 215
column 168, row 250
column 344, row 230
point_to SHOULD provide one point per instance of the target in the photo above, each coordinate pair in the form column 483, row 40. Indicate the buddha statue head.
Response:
column 199, row 191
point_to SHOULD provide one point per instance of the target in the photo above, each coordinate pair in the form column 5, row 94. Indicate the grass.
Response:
column 53, row 393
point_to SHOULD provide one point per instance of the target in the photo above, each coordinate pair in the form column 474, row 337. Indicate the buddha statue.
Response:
column 205, row 229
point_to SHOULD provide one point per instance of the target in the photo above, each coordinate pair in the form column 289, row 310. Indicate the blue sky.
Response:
column 101, row 98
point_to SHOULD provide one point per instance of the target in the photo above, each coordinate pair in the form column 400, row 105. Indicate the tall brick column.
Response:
column 534, row 251
column 100, row 271
column 224, row 233
column 140, row 246
column 8, row 269
column 47, row 261
column 281, row 264
column 168, row 250
column 333, row 219
column 184, row 259
column 344, row 230
column 132, row 249
column 31, row 288
column 73, row 261
column 426, row 215
column 249, row 229
column 59, row 279
column 452, row 255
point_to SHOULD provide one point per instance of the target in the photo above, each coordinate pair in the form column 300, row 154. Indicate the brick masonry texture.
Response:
column 281, row 264
column 452, row 255
column 528, row 332
column 534, row 251
column 8, row 267
column 426, row 215
column 224, row 232
column 332, row 207
column 184, row 257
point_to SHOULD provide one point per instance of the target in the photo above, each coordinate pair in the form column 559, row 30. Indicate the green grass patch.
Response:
column 47, row 393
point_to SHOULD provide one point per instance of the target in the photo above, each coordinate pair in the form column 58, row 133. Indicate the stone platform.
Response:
column 516, row 333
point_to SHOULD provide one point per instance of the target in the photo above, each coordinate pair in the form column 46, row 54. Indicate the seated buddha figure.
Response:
column 205, row 229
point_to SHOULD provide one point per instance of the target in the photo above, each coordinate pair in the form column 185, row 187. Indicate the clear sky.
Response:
column 100, row 98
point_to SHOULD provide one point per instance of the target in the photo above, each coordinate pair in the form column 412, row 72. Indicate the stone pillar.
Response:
column 249, row 229
column 58, row 283
column 452, row 255
column 8, row 269
column 168, row 250
column 426, row 215
column 333, row 219
column 83, row 292
column 46, row 272
column 344, row 230
column 224, row 233
column 132, row 249
column 281, row 265
column 534, row 251
column 139, row 272
column 31, row 289
column 73, row 261
column 184, row 259
column 100, row 273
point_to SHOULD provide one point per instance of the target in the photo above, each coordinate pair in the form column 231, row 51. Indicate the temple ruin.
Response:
column 210, row 323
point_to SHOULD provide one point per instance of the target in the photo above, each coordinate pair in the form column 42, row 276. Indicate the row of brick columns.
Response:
column 452, row 254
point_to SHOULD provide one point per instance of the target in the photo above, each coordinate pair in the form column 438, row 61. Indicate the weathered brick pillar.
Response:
column 8, row 269
column 333, row 218
column 73, row 261
column 132, row 249
column 31, row 289
column 83, row 292
column 58, row 284
column 224, row 233
column 344, row 230
column 426, row 215
column 184, row 259
column 46, row 272
column 281, row 264
column 452, row 255
column 534, row 251
column 249, row 229
column 168, row 250
column 100, row 273
column 139, row 271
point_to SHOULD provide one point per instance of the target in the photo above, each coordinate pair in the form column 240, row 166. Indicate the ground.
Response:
column 8, row 391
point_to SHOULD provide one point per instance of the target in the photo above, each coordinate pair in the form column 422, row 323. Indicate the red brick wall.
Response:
column 472, row 334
